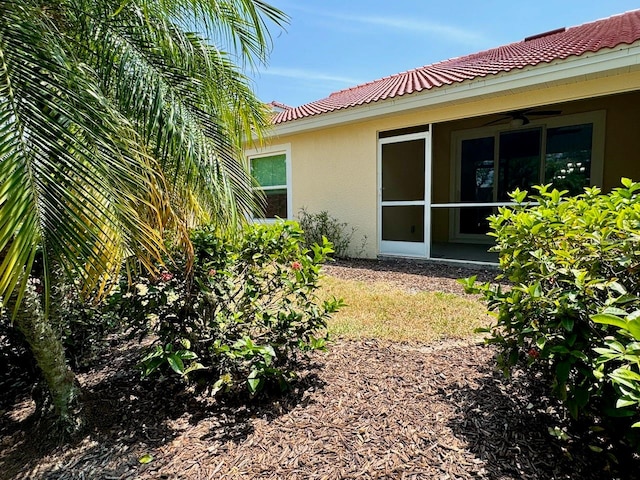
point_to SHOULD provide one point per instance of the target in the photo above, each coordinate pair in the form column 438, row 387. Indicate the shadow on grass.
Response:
column 508, row 424
column 126, row 417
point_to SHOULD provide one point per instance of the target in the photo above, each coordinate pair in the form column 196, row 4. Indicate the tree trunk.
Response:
column 48, row 351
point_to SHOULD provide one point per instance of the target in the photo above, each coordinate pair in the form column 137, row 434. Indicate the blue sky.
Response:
column 334, row 44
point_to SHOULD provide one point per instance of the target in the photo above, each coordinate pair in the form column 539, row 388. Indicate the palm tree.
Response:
column 116, row 123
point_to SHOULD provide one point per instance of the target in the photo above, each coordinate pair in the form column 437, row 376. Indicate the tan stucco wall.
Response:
column 335, row 168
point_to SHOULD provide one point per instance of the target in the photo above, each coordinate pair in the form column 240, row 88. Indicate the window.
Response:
column 493, row 161
column 271, row 170
column 568, row 157
column 518, row 161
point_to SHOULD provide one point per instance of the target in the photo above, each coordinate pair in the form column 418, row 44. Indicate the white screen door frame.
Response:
column 415, row 249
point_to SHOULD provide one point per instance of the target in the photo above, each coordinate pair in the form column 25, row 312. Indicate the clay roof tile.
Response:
column 542, row 48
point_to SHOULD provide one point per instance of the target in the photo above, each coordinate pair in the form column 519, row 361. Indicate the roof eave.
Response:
column 559, row 71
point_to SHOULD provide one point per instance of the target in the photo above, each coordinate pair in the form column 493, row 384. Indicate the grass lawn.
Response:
column 379, row 310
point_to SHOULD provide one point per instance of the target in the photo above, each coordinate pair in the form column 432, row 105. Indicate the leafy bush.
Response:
column 623, row 350
column 84, row 326
column 317, row 226
column 569, row 260
column 245, row 315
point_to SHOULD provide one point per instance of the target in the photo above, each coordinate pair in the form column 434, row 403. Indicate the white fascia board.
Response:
column 570, row 69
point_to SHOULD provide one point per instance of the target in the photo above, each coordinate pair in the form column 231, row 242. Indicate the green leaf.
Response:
column 622, row 403
column 608, row 319
column 186, row 355
column 218, row 386
column 150, row 366
column 581, row 397
column 617, row 311
column 634, row 328
column 146, row 458
column 535, row 290
column 573, row 408
column 626, row 374
column 156, row 352
column 193, row 367
column 617, row 287
column 619, row 412
column 615, row 346
column 562, row 371
column 269, row 350
column 580, row 355
column 176, row 364
column 567, row 323
column 253, row 384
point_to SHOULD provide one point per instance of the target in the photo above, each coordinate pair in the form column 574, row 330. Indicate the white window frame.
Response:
column 271, row 150
column 596, row 118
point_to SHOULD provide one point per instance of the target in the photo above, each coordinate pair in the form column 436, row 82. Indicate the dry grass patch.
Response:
column 379, row 310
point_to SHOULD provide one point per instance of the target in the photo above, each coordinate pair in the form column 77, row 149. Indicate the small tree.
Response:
column 317, row 226
column 116, row 123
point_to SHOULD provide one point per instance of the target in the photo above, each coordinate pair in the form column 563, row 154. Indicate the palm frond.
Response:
column 188, row 101
column 238, row 24
column 116, row 122
column 73, row 173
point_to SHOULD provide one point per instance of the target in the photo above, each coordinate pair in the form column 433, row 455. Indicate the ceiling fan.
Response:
column 521, row 117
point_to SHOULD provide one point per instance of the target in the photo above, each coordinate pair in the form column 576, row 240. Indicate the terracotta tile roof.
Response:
column 547, row 47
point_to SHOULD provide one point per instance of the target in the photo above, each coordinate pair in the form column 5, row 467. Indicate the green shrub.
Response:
column 623, row 351
column 568, row 259
column 244, row 316
column 317, row 226
column 84, row 325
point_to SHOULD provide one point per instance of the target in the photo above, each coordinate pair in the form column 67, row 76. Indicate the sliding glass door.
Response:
column 491, row 163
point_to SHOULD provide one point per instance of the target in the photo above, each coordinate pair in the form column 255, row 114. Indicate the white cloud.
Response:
column 451, row 33
column 302, row 74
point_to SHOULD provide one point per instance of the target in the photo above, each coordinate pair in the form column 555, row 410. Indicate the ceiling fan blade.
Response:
column 522, row 115
column 544, row 112
column 499, row 120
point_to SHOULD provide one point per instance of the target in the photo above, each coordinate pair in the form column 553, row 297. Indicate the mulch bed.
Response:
column 410, row 275
column 361, row 410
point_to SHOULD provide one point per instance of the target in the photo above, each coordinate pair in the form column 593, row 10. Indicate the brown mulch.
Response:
column 361, row 410
column 410, row 275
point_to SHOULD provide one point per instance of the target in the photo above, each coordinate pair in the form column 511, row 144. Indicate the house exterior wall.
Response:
column 335, row 168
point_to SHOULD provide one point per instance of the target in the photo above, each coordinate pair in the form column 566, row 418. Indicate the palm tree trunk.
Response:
column 48, row 351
